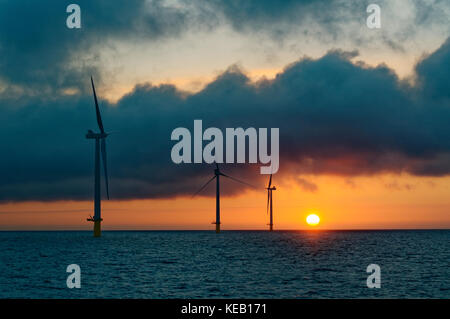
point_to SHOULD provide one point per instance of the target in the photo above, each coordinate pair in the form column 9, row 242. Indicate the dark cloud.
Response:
column 335, row 117
column 39, row 51
column 333, row 21
column 434, row 72
column 280, row 17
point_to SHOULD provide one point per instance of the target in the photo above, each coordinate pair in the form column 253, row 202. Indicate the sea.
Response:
column 232, row 264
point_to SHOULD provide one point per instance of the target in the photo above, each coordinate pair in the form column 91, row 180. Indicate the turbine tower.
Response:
column 100, row 143
column 217, row 174
column 269, row 202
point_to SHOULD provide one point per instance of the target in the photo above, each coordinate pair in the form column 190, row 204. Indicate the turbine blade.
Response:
column 270, row 181
column 238, row 180
column 268, row 200
column 97, row 109
column 203, row 187
column 271, row 198
column 105, row 167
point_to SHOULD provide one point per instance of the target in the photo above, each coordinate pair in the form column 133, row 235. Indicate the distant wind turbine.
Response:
column 269, row 202
column 100, row 142
column 217, row 174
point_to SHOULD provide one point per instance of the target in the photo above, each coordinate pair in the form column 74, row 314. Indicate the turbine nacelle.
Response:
column 92, row 134
column 217, row 172
column 92, row 219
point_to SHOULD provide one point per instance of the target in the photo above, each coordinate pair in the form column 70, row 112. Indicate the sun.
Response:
column 312, row 220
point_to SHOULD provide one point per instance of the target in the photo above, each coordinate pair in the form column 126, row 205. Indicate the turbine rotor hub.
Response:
column 90, row 134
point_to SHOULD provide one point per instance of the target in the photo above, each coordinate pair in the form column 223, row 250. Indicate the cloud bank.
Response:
column 40, row 53
column 335, row 117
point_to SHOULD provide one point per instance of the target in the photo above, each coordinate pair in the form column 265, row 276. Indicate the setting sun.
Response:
column 312, row 220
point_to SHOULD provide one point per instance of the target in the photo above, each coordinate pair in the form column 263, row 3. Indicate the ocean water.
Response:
column 233, row 264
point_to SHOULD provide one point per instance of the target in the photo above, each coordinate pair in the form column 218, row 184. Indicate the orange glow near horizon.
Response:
column 377, row 202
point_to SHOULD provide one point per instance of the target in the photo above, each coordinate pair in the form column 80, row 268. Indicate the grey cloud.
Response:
column 433, row 73
column 38, row 50
column 39, row 53
column 335, row 117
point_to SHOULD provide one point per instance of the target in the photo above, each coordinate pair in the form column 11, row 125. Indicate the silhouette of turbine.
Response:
column 269, row 202
column 217, row 174
column 100, row 143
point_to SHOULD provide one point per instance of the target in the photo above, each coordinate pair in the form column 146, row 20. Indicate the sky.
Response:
column 363, row 113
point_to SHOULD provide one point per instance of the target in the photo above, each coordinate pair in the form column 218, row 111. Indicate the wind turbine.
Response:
column 217, row 174
column 269, row 202
column 100, row 143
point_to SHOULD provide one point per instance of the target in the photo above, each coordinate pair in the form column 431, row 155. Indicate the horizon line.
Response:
column 229, row 230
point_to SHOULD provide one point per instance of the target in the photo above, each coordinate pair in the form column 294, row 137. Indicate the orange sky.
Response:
column 377, row 202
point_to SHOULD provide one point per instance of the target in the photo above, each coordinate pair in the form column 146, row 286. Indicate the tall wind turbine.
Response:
column 269, row 202
column 217, row 174
column 100, row 143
